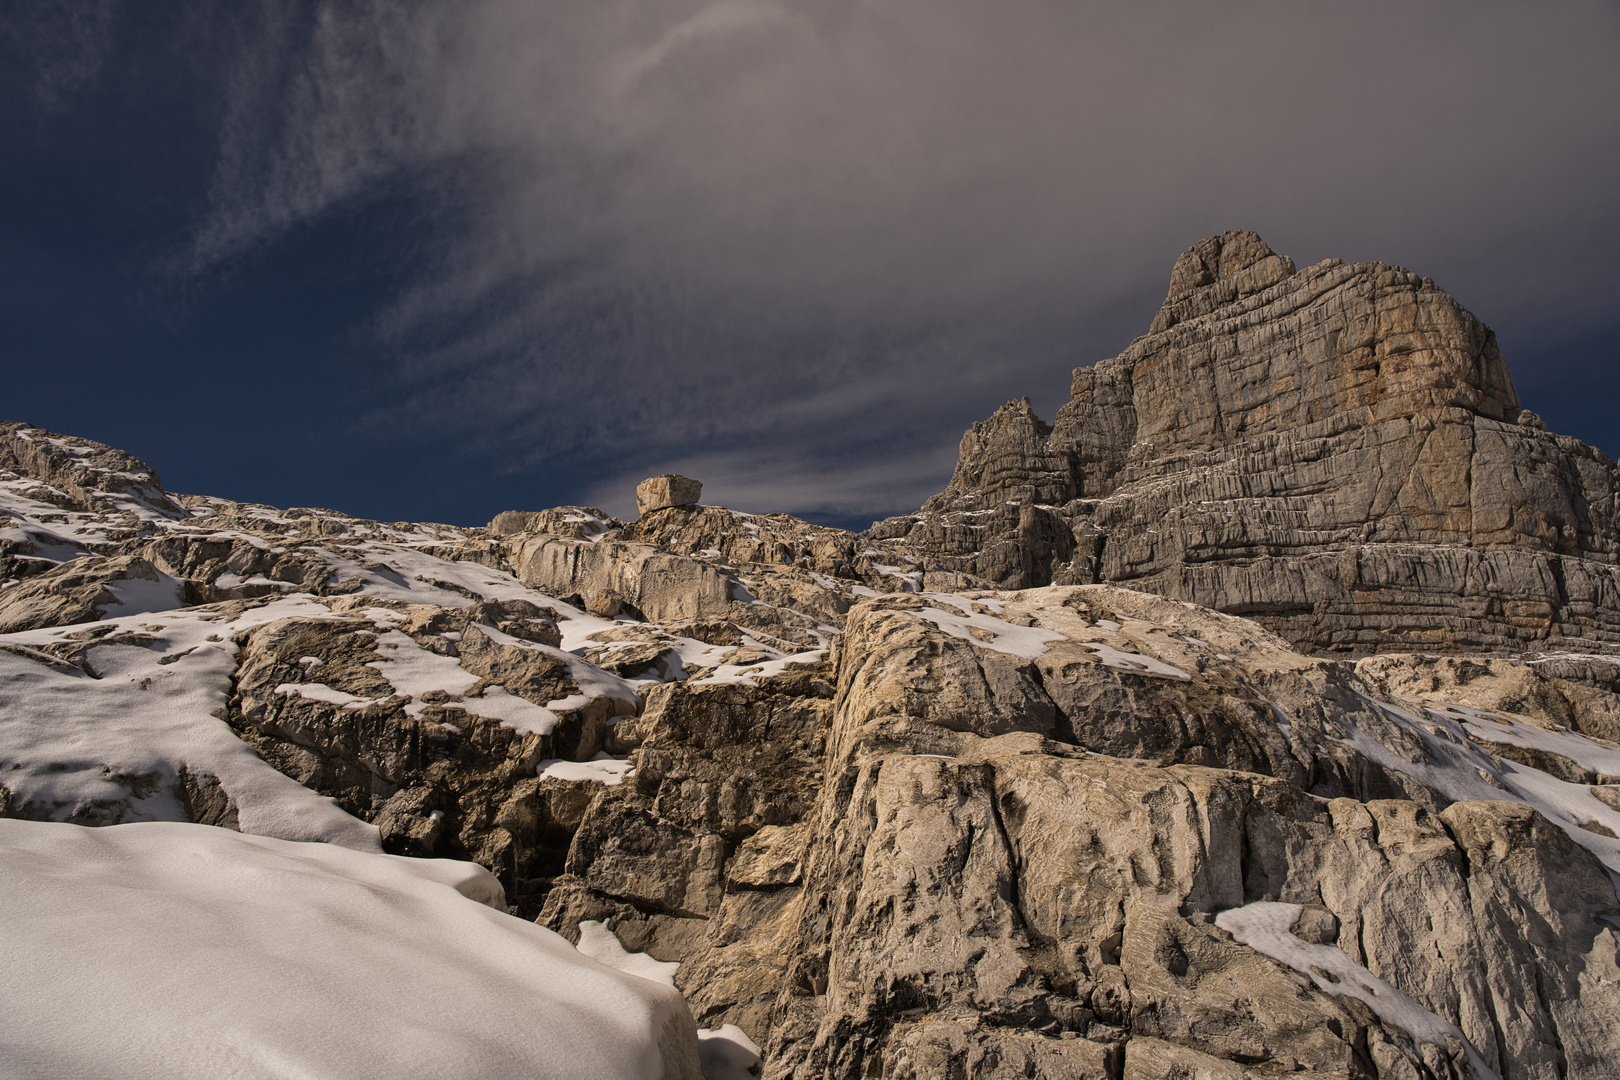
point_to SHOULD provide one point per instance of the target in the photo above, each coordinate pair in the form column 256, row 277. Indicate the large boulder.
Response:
column 610, row 578
column 662, row 492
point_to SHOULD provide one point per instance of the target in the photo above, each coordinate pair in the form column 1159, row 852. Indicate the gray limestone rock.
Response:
column 932, row 870
column 438, row 776
column 624, row 578
column 79, row 474
column 1337, row 452
column 569, row 522
column 1008, row 457
column 939, row 799
column 662, row 492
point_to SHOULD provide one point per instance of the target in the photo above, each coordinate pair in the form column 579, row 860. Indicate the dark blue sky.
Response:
column 431, row 261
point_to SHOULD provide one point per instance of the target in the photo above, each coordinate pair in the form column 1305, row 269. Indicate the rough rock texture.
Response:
column 1337, row 452
column 78, row 474
column 613, row 577
column 897, row 806
column 439, row 778
column 82, row 590
column 996, row 848
column 662, row 492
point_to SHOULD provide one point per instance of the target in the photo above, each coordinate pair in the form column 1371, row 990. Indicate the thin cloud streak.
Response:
column 651, row 234
column 63, row 47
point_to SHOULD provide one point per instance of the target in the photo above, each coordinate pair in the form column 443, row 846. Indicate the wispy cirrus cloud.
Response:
column 749, row 234
column 61, row 46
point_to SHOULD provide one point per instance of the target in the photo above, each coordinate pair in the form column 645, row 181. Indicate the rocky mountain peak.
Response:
column 1216, row 271
column 1007, row 457
column 1337, row 451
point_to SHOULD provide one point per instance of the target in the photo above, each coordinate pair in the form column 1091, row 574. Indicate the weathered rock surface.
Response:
column 1337, row 452
column 78, row 474
column 568, row 522
column 1020, row 815
column 942, row 799
column 84, row 590
column 661, row 492
column 612, row 577
column 1016, row 883
column 438, row 776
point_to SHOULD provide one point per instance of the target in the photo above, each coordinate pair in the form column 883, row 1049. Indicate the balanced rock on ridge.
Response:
column 662, row 492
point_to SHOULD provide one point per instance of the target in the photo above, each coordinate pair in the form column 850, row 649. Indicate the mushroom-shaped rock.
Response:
column 667, row 490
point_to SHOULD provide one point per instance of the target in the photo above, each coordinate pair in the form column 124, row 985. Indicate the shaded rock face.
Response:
column 1338, row 452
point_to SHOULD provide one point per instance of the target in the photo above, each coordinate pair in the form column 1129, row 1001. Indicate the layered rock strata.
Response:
column 887, row 822
column 1337, row 452
column 662, row 492
column 992, row 835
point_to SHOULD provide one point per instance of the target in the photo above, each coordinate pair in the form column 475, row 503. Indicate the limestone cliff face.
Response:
column 1337, row 452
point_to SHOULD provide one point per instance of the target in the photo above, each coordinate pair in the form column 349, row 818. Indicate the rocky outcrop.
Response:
column 662, row 492
column 1337, row 452
column 611, row 577
column 1003, row 879
column 999, row 843
column 568, row 522
column 78, row 474
column 893, row 822
column 1007, row 459
column 86, row 589
column 432, row 724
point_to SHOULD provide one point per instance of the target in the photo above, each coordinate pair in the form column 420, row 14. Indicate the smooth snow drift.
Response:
column 167, row 950
column 726, row 1053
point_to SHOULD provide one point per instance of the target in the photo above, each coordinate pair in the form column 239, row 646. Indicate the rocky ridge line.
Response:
column 887, row 823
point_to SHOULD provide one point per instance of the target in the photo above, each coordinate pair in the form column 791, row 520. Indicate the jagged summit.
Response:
column 871, row 816
column 1216, row 271
column 1338, row 452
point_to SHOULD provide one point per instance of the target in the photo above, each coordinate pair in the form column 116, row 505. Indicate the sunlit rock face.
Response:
column 946, row 798
column 662, row 492
column 1337, row 452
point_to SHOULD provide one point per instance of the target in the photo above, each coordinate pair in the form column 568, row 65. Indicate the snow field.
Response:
column 68, row 739
column 167, row 950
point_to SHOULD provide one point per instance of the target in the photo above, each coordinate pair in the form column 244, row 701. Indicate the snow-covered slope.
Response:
column 880, row 828
column 194, row 953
